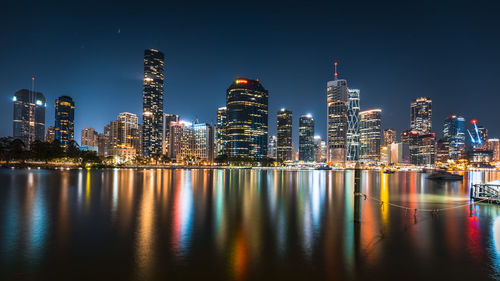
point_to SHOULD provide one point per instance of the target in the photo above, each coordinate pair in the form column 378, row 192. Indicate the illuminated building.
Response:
column 102, row 143
column 454, row 136
column 89, row 138
column 421, row 115
column 51, row 134
column 152, row 103
column 337, row 102
column 396, row 153
column 272, row 146
column 370, row 135
column 221, row 136
column 306, row 135
column 385, row 154
column 29, row 116
column 406, row 139
column 167, row 118
column 285, row 145
column 65, row 120
column 442, row 151
column 353, row 125
column 390, row 136
column 422, row 149
column 493, row 145
column 182, row 141
column 318, row 149
column 123, row 137
column 247, row 115
column 204, row 137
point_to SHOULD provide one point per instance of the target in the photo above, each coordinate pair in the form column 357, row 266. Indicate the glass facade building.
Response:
column 65, row 120
column 306, row 138
column 370, row 134
column 247, row 120
column 29, row 116
column 421, row 115
column 337, row 124
column 152, row 103
column 454, row 136
column 285, row 142
column 353, row 125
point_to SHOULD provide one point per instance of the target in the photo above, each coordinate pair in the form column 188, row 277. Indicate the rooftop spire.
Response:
column 336, row 74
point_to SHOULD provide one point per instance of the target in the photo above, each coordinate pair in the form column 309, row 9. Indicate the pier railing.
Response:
column 488, row 191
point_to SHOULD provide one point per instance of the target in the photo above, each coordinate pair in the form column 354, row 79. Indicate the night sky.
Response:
column 392, row 51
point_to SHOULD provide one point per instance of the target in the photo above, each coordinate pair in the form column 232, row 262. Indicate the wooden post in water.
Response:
column 357, row 193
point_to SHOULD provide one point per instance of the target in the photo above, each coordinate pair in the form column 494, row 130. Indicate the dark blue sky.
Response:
column 392, row 51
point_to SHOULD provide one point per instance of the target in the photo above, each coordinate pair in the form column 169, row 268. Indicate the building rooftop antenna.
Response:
column 335, row 74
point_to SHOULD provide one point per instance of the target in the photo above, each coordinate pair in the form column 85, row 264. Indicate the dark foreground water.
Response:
column 241, row 225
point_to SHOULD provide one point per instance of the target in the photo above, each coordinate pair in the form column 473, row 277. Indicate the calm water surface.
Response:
column 158, row 224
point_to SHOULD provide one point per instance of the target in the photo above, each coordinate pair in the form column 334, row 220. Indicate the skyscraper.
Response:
column 272, row 146
column 247, row 113
column 65, row 120
column 29, row 116
column 337, row 102
column 353, row 125
column 370, row 134
column 152, row 103
column 89, row 137
column 306, row 138
column 124, row 137
column 204, row 142
column 454, row 137
column 221, row 135
column 182, row 141
column 167, row 119
column 390, row 136
column 494, row 146
column 285, row 145
column 421, row 115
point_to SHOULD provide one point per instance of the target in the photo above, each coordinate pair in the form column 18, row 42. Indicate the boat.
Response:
column 389, row 171
column 443, row 175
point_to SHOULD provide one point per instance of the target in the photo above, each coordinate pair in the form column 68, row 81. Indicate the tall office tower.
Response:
column 29, row 116
column 221, row 136
column 306, row 138
column 285, row 145
column 442, row 151
column 102, row 142
column 337, row 102
column 89, row 137
column 478, row 136
column 247, row 112
column 317, row 148
column 353, row 125
column 51, row 134
column 493, row 145
column 152, row 103
column 390, row 136
column 204, row 142
column 65, row 120
column 406, row 139
column 426, row 151
column 182, row 142
column 131, row 131
column 454, row 136
column 370, row 134
column 167, row 119
column 272, row 147
column 421, row 115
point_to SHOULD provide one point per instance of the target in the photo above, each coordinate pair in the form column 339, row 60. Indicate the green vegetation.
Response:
column 14, row 150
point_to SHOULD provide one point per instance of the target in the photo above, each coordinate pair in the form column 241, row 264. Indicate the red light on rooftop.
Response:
column 335, row 63
column 241, row 81
column 453, row 116
column 414, row 133
column 33, row 78
column 474, row 121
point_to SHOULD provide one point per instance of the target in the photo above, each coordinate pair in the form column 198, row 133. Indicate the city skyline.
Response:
column 106, row 70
